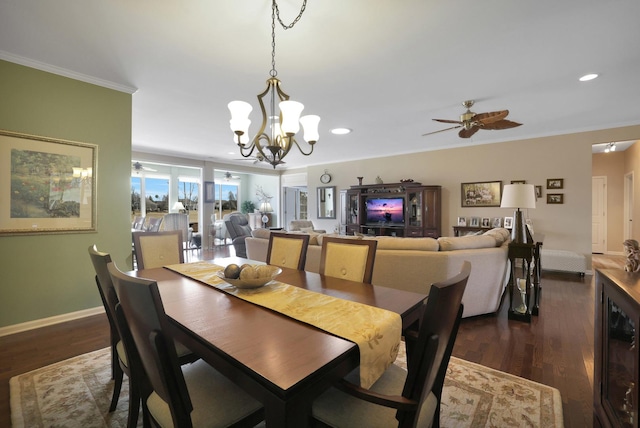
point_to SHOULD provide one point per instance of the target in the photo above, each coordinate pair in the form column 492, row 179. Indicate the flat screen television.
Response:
column 385, row 210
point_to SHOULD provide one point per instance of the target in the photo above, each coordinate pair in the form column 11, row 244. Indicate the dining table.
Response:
column 282, row 362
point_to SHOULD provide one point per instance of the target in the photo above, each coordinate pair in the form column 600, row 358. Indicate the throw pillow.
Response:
column 306, row 229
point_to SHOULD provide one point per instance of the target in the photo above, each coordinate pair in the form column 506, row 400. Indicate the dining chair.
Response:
column 158, row 249
column 192, row 395
column 154, row 224
column 138, row 222
column 287, row 250
column 123, row 353
column 178, row 221
column 404, row 398
column 350, row 259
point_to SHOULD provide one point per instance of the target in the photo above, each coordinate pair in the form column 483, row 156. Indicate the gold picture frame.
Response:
column 481, row 194
column 50, row 185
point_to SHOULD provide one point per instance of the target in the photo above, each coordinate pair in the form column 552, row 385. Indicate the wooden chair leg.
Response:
column 134, row 404
column 116, row 388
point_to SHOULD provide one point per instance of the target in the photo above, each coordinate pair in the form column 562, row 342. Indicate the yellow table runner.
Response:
column 376, row 331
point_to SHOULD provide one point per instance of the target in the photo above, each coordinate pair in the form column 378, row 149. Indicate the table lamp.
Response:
column 179, row 206
column 265, row 207
column 519, row 196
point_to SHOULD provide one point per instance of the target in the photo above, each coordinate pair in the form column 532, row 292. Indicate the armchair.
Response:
column 238, row 228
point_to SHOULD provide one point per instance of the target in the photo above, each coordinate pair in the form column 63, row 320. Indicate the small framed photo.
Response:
column 518, row 181
column 496, row 222
column 555, row 183
column 555, row 198
column 474, row 221
column 462, row 221
column 508, row 222
column 538, row 192
column 486, row 222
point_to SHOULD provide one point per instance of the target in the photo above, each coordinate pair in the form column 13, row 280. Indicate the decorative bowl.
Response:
column 251, row 283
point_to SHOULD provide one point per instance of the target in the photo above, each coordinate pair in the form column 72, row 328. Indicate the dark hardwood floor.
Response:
column 556, row 349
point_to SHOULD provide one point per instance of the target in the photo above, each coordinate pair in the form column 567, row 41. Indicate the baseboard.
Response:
column 615, row 253
column 30, row 325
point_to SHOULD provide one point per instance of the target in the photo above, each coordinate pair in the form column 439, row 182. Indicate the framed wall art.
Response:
column 518, row 181
column 538, row 192
column 481, row 194
column 49, row 184
column 555, row 198
column 555, row 183
column 209, row 191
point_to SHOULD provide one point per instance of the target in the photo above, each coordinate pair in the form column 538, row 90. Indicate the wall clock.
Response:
column 325, row 178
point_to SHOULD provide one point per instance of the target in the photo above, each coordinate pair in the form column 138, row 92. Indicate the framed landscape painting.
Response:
column 49, row 184
column 481, row 194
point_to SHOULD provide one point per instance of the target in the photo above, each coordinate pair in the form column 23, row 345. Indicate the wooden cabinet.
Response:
column 616, row 357
column 413, row 210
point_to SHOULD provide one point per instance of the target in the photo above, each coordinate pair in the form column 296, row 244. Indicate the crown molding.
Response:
column 66, row 73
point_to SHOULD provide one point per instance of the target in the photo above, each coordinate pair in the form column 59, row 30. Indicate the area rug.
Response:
column 77, row 392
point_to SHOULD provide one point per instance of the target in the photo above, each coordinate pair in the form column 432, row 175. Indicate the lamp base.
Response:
column 520, row 233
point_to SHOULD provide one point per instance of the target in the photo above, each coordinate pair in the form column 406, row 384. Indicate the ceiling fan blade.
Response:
column 490, row 117
column 467, row 133
column 442, row 130
column 448, row 121
column 501, row 124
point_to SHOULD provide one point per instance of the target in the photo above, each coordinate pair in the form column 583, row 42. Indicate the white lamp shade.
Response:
column 265, row 207
column 290, row 116
column 178, row 206
column 518, row 196
column 239, row 115
column 310, row 127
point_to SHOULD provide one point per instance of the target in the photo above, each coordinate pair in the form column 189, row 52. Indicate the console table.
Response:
column 529, row 255
column 465, row 230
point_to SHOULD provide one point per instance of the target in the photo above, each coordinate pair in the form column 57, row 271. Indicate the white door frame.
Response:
column 600, row 187
column 628, row 205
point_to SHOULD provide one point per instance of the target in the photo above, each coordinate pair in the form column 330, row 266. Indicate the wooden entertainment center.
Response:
column 413, row 210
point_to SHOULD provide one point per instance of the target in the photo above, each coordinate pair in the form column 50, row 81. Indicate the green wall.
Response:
column 47, row 275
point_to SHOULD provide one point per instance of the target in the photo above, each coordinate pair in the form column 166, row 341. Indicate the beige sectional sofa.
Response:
column 414, row 264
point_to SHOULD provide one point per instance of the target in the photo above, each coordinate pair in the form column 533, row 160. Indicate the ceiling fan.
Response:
column 228, row 176
column 255, row 159
column 471, row 122
column 137, row 166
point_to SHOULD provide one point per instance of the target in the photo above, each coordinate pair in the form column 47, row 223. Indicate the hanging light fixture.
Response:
column 611, row 147
column 277, row 133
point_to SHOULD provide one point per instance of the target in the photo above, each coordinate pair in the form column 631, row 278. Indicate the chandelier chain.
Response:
column 275, row 12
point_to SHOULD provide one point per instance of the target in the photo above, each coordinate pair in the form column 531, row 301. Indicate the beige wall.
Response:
column 566, row 226
column 48, row 275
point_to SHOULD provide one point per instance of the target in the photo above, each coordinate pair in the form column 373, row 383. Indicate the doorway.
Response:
column 598, row 214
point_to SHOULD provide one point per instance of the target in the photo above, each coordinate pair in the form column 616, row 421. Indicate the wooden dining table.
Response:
column 283, row 363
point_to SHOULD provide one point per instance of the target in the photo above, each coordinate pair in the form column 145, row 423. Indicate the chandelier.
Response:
column 277, row 133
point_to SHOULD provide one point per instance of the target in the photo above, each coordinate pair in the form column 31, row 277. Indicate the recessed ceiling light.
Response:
column 341, row 131
column 588, row 77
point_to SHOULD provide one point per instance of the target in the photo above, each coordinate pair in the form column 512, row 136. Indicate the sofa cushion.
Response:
column 306, row 229
column 501, row 235
column 392, row 243
column 448, row 243
column 261, row 233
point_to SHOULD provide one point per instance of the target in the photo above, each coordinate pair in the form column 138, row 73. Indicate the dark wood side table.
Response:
column 529, row 254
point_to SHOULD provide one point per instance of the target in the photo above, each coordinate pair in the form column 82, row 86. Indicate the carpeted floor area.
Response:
column 77, row 392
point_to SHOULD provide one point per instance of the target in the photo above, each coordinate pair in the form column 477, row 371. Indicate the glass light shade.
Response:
column 239, row 115
column 290, row 116
column 518, row 196
column 240, row 125
column 310, row 127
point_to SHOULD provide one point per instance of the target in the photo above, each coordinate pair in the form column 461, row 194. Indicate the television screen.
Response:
column 385, row 210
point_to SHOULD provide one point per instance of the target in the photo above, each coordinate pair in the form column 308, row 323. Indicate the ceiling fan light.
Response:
column 310, row 127
column 291, row 111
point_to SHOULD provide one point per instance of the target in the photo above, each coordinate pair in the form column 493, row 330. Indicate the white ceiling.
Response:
column 382, row 68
